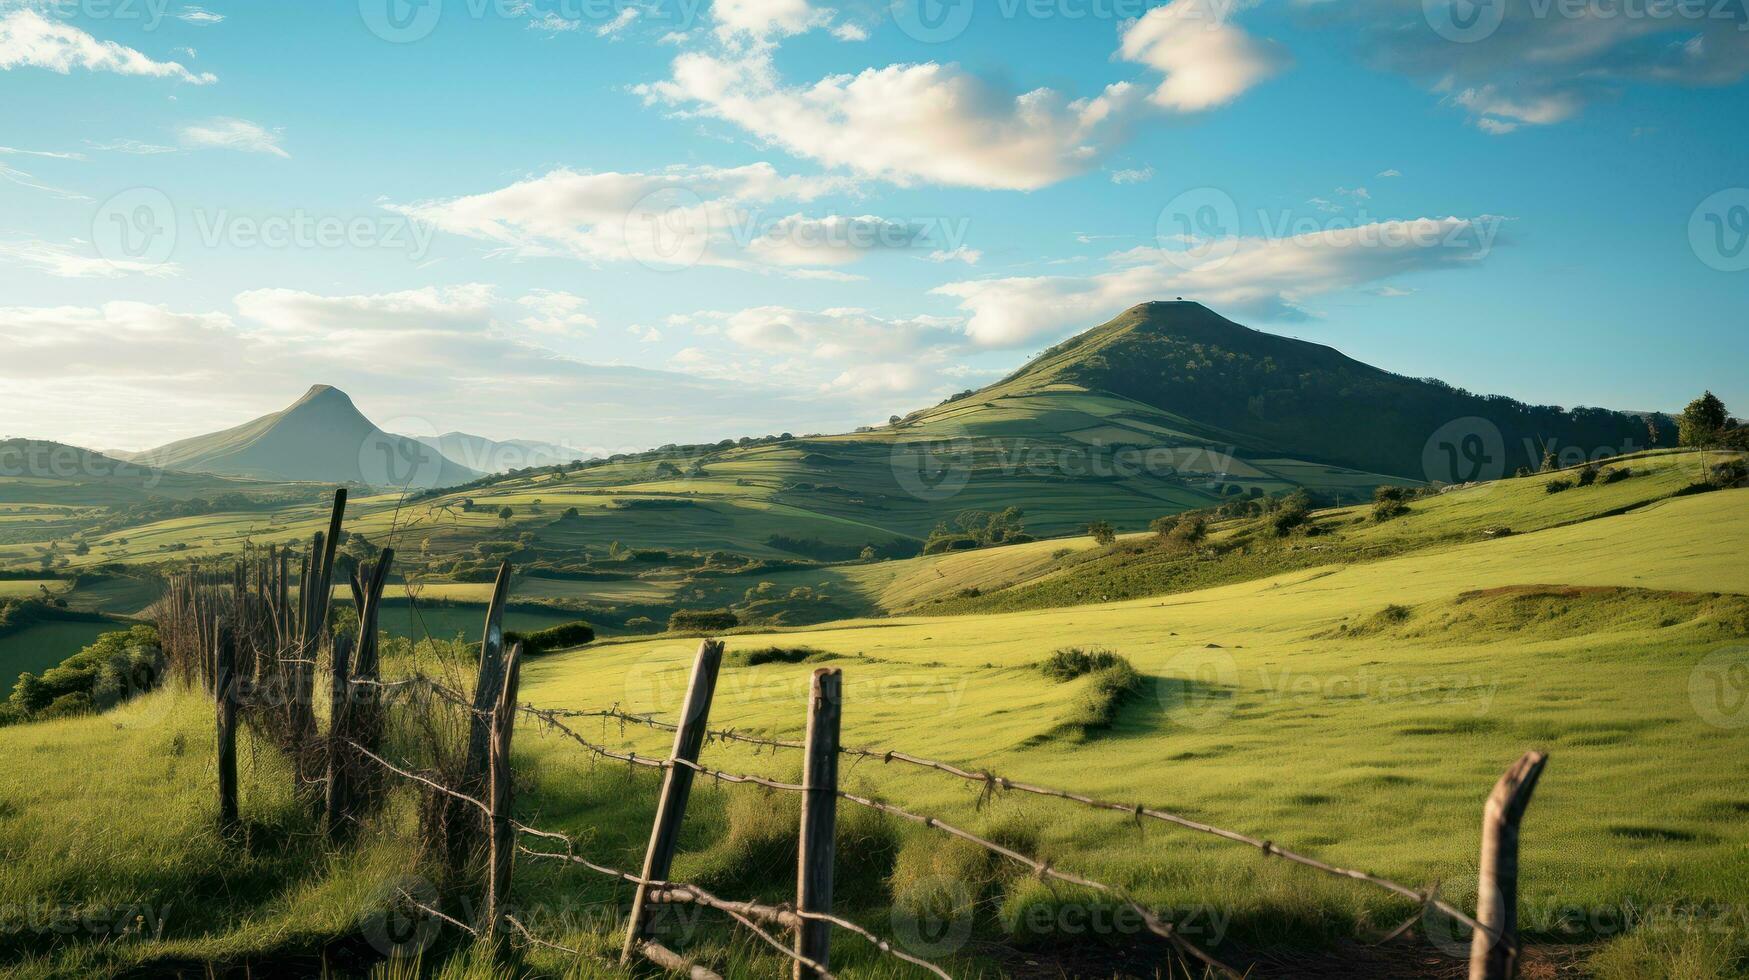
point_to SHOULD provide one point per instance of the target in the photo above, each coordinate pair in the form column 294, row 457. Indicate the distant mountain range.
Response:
column 494, row 456
column 1265, row 411
column 322, row 437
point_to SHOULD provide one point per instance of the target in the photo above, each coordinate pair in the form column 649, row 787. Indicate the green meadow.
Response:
column 1355, row 703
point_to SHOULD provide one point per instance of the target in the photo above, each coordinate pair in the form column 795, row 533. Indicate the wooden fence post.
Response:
column 819, row 819
column 502, row 853
column 1494, row 952
column 339, row 730
column 676, row 786
column 224, row 669
column 487, row 686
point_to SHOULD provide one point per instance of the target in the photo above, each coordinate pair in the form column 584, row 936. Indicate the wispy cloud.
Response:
column 234, row 134
column 27, row 38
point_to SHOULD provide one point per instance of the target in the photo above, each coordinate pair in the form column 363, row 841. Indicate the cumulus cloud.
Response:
column 679, row 216
column 1270, row 276
column 1522, row 65
column 1137, row 175
column 906, row 123
column 234, row 134
column 1207, row 60
column 622, row 20
column 846, row 351
column 27, row 38
column 556, row 312
column 83, row 372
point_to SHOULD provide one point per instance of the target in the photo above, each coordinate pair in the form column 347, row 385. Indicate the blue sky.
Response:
column 615, row 223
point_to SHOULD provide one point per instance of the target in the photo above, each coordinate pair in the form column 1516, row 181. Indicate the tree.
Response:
column 506, row 514
column 1551, row 460
column 868, row 553
column 894, row 420
column 1103, row 533
column 1702, row 421
column 82, row 548
column 1163, row 526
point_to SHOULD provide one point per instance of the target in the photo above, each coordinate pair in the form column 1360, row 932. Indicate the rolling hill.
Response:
column 321, row 437
column 1275, row 395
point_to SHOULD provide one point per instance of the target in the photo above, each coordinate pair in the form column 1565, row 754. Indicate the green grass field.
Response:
column 43, row 645
column 1357, row 711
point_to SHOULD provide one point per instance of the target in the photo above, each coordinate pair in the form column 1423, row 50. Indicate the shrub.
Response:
column 1614, row 474
column 114, row 667
column 1164, row 526
column 1102, row 533
column 777, row 655
column 702, row 621
column 1556, row 486
column 1587, row 474
column 1072, row 662
column 557, row 637
column 957, row 542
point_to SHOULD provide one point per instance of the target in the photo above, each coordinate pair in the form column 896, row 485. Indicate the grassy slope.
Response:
column 1314, row 737
column 1295, row 728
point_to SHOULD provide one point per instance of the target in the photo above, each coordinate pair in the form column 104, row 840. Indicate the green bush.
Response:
column 558, row 637
column 115, row 667
column 1072, row 662
column 1587, row 474
column 702, row 621
column 1614, row 474
column 1556, row 486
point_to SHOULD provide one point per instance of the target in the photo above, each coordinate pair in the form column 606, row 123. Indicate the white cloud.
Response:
column 1390, row 173
column 1522, row 66
column 552, row 23
column 199, row 15
column 1137, row 175
column 1267, row 277
column 24, row 179
column 969, row 256
column 66, row 262
column 27, row 38
column 234, row 134
column 906, row 123
column 1207, row 60
column 850, row 32
column 682, row 215
column 555, row 312
column 130, row 146
column 622, row 20
column 12, row 151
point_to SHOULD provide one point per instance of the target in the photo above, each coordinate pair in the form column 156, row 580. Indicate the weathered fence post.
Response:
column 1494, row 952
column 676, row 786
column 502, row 851
column 224, row 670
column 819, row 818
column 487, row 686
column 339, row 730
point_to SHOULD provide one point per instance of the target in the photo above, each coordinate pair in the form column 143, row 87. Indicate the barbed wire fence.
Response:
column 479, row 805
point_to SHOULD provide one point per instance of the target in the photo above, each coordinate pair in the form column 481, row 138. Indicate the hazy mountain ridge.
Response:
column 321, row 437
column 500, row 455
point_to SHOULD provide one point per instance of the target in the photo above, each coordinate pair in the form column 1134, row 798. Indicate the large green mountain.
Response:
column 321, row 437
column 1276, row 395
